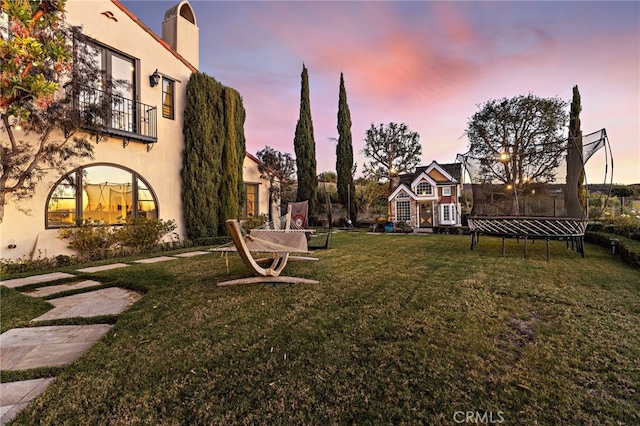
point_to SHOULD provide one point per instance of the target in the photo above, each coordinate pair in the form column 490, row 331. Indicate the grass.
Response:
column 402, row 329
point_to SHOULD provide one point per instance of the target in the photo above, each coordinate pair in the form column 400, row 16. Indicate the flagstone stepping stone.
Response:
column 53, row 289
column 19, row 282
column 103, row 267
column 192, row 253
column 154, row 259
column 48, row 346
column 106, row 301
column 15, row 396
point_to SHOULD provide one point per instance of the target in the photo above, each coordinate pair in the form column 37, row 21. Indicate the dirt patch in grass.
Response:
column 518, row 332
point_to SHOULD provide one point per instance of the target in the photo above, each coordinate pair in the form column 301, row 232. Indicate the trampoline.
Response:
column 529, row 202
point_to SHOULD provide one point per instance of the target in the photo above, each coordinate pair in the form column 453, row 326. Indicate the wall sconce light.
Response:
column 16, row 124
column 154, row 78
column 12, row 244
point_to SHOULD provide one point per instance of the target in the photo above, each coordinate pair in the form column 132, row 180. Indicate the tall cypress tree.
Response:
column 201, row 159
column 574, row 196
column 233, row 149
column 212, row 189
column 305, row 148
column 344, row 155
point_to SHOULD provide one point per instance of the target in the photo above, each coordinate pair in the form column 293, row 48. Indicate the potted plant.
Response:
column 389, row 226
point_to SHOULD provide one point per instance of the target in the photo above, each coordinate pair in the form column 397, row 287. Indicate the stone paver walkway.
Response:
column 19, row 282
column 49, row 346
column 103, row 267
column 192, row 253
column 17, row 395
column 53, row 289
column 106, row 301
column 154, row 259
column 54, row 346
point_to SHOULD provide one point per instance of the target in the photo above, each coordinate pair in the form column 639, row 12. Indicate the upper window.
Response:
column 104, row 193
column 446, row 190
column 111, row 101
column 424, row 188
column 168, row 98
column 251, row 206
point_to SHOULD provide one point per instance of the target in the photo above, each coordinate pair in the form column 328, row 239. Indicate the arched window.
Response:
column 102, row 192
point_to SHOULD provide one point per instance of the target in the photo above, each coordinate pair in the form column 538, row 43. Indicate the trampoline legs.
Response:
column 474, row 239
column 548, row 252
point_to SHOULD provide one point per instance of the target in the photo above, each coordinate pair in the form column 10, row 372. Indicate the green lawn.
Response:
column 402, row 329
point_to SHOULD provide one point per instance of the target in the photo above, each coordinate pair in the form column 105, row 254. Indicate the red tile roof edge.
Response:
column 152, row 34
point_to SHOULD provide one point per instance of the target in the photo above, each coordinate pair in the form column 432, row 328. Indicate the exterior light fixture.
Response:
column 16, row 124
column 614, row 243
column 154, row 78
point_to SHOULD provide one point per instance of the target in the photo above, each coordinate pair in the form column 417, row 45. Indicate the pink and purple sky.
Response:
column 427, row 64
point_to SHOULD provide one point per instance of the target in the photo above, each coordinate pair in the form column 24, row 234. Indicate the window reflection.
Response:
column 62, row 203
column 146, row 203
column 109, row 194
column 167, row 98
column 122, row 72
column 251, row 206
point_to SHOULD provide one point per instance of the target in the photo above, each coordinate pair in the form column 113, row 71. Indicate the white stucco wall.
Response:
column 160, row 167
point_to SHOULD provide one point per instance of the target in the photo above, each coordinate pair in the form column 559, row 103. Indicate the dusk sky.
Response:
column 427, row 64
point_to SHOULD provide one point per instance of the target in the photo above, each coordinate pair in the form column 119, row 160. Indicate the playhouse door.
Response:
column 426, row 214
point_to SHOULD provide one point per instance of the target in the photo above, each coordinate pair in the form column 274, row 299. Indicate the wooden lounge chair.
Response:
column 245, row 245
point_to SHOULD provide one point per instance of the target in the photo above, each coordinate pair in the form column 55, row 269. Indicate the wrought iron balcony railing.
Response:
column 115, row 115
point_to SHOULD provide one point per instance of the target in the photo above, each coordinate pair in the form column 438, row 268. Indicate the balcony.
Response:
column 108, row 113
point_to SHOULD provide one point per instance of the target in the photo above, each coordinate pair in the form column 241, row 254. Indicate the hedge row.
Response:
column 628, row 249
column 628, row 227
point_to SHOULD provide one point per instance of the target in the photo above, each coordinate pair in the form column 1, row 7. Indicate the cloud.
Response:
column 428, row 64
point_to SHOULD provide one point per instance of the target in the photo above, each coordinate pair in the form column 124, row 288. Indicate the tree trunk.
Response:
column 2, row 201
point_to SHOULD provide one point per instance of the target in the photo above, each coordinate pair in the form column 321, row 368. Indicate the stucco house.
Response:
column 428, row 197
column 136, row 169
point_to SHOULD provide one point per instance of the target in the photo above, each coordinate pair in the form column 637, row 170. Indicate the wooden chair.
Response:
column 245, row 245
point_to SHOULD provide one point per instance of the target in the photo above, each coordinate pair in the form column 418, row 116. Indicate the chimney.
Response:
column 180, row 31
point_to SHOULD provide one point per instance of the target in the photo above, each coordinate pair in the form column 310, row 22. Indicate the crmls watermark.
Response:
column 478, row 417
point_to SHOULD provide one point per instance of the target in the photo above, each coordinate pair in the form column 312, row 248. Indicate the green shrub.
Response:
column 141, row 233
column 253, row 222
column 95, row 240
column 63, row 260
column 91, row 239
column 403, row 226
column 627, row 226
column 10, row 266
column 628, row 249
